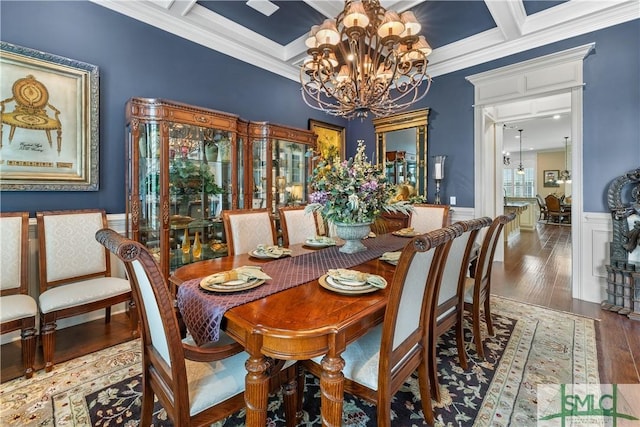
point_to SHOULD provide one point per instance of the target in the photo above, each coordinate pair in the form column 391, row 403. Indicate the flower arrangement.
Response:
column 352, row 191
column 191, row 177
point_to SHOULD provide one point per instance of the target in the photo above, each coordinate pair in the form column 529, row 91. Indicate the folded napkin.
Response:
column 272, row 251
column 359, row 276
column 245, row 273
column 408, row 230
column 391, row 256
column 322, row 239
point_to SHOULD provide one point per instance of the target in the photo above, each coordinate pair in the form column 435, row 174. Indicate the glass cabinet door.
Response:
column 260, row 178
column 149, row 220
column 289, row 173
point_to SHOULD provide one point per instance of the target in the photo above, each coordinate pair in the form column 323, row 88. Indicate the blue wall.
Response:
column 136, row 59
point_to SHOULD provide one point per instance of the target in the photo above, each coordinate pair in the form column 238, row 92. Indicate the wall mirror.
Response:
column 401, row 149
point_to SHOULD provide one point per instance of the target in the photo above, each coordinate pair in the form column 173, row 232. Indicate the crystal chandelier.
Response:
column 367, row 59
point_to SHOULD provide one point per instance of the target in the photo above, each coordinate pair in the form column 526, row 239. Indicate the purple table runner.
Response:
column 202, row 311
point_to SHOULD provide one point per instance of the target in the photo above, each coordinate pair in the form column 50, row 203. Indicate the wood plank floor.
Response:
column 537, row 270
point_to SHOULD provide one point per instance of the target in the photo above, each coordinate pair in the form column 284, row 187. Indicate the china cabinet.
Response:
column 400, row 168
column 278, row 165
column 185, row 165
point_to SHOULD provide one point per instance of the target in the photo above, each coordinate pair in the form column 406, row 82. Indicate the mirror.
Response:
column 401, row 149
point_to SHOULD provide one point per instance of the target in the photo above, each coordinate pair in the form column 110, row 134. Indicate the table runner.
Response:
column 202, row 311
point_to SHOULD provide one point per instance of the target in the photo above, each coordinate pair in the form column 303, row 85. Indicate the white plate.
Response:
column 231, row 285
column 261, row 255
column 412, row 234
column 351, row 283
column 342, row 289
column 318, row 244
column 390, row 261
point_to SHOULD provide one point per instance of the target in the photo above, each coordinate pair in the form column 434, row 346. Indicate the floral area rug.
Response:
column 532, row 345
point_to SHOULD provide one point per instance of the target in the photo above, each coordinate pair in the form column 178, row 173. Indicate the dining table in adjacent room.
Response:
column 293, row 316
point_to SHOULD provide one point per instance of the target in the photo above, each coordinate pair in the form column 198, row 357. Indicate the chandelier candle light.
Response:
column 358, row 58
column 520, row 170
column 565, row 175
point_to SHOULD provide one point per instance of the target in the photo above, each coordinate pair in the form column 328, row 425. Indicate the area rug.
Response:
column 532, row 345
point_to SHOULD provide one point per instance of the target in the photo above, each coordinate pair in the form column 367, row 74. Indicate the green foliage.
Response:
column 191, row 177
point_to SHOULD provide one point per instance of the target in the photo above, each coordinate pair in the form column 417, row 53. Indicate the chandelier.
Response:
column 565, row 175
column 357, row 59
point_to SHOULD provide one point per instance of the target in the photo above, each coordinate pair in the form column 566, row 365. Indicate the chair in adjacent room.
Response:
column 448, row 299
column 478, row 288
column 426, row 217
column 195, row 385
column 542, row 205
column 377, row 364
column 555, row 211
column 18, row 310
column 297, row 225
column 247, row 228
column 75, row 273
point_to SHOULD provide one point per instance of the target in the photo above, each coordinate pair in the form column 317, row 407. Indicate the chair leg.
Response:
column 487, row 316
column 425, row 394
column 28, row 336
column 432, row 366
column 48, row 334
column 146, row 410
column 477, row 334
column 290, row 396
column 107, row 315
column 462, row 353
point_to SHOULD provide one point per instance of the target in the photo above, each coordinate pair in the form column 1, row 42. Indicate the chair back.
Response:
column 297, row 225
column 482, row 277
column 427, row 217
column 450, row 292
column 410, row 301
column 247, row 228
column 161, row 340
column 68, row 249
column 14, row 250
column 541, row 203
column 553, row 203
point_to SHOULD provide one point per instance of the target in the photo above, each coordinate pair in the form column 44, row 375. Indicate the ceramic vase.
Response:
column 352, row 234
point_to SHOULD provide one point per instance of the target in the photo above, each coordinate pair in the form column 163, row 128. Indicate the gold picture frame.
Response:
column 331, row 139
column 49, row 132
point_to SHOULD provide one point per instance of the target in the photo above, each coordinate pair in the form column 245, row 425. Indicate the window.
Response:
column 518, row 185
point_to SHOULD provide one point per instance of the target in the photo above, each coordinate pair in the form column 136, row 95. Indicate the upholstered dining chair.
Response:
column 427, row 217
column 542, row 205
column 555, row 211
column 18, row 310
column 75, row 273
column 378, row 363
column 448, row 299
column 247, row 228
column 196, row 385
column 297, row 225
column 478, row 289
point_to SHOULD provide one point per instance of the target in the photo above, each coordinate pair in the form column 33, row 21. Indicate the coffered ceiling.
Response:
column 462, row 33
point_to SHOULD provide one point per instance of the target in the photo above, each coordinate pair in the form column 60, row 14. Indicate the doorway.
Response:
column 545, row 76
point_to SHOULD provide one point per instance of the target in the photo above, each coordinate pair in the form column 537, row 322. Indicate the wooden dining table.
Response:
column 298, row 323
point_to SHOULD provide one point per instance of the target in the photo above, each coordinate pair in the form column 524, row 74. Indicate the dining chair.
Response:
column 448, row 299
column 544, row 212
column 75, row 273
column 427, row 217
column 247, row 228
column 377, row 364
column 297, row 225
column 555, row 211
column 478, row 288
column 195, row 385
column 18, row 310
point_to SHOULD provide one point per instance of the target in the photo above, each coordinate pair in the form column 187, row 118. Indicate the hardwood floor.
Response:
column 537, row 270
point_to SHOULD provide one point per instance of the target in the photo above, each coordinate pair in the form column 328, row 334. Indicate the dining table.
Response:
column 298, row 321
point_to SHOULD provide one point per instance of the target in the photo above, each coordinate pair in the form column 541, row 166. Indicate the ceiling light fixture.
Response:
column 565, row 175
column 520, row 170
column 506, row 160
column 367, row 59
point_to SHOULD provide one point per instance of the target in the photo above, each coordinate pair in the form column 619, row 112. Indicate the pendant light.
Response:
column 565, row 175
column 520, row 170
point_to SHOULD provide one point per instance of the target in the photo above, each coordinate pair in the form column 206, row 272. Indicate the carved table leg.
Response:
column 332, row 389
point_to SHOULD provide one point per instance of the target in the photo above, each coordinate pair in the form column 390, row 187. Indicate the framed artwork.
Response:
column 551, row 178
column 49, row 130
column 331, row 139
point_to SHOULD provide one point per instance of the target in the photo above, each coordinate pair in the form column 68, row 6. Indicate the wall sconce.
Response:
column 438, row 174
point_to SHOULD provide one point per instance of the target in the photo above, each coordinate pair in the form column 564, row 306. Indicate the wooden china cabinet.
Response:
column 185, row 164
column 278, row 166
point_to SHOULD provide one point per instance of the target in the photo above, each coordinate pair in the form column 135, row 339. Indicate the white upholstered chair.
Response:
column 478, row 288
column 297, row 225
column 426, row 217
column 75, row 273
column 247, row 228
column 18, row 310
column 449, row 294
column 378, row 363
column 195, row 385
